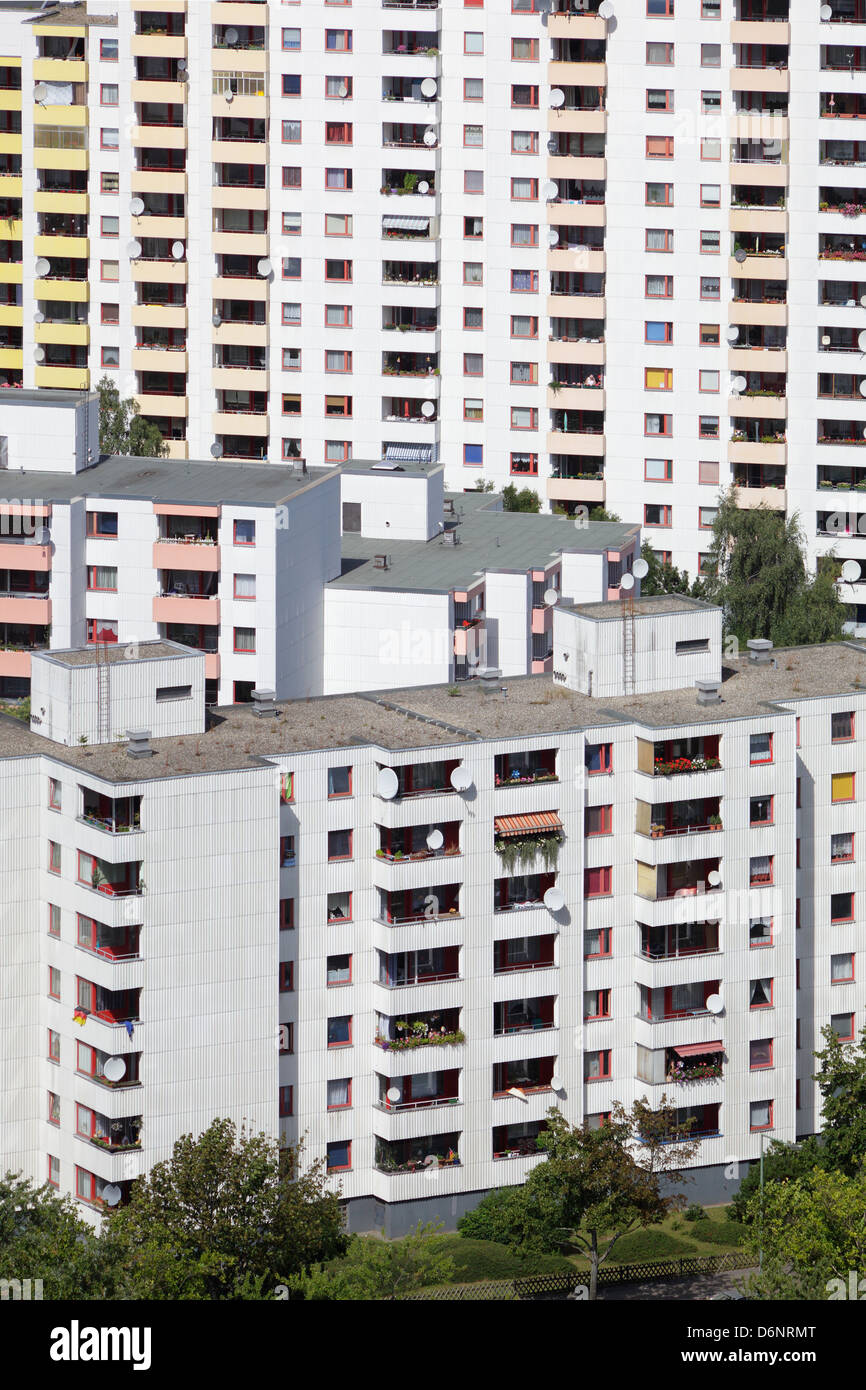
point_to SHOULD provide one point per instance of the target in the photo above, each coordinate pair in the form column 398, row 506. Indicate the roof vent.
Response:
column 448, row 506
column 709, row 692
column 450, row 538
column 263, row 703
column 380, row 562
column 760, row 649
column 139, row 743
column 490, row 680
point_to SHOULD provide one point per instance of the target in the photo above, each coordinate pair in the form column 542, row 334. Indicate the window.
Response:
column 710, row 243
column 473, row 409
column 338, row 88
column 760, row 1054
column 524, row 373
column 53, row 982
column 338, row 40
column 339, row 844
column 658, row 470
column 244, row 639
column 338, row 1155
column 287, row 914
column 288, row 858
column 291, row 134
column 338, row 270
column 524, row 190
column 339, row 781
column 473, row 455
column 524, row 234
column 760, row 1114
column 338, row 450
column 524, row 50
column 596, row 1004
column 473, row 89
column 659, row 194
column 524, row 281
column 338, row 178
column 291, row 84
column 841, row 907
column 110, row 357
column 708, row 381
column 598, row 757
column 473, row 43
column 292, row 176
column 53, row 919
column 338, row 224
column 54, row 857
column 338, row 316
column 597, row 882
column 291, row 40
column 760, row 870
column 843, row 1026
column 473, row 180
column 524, row 142
column 708, row 335
column 339, row 1093
column 841, row 847
column 842, row 786
column 525, row 465
column 842, row 968
column 340, row 1031
column 287, row 1101
column 598, row 820
column 54, row 798
column 109, row 226
column 109, row 270
column 711, row 193
column 524, row 417
column 661, row 9
column 708, row 428
column 473, row 318
column 292, row 267
column 108, row 93
column 291, row 315
column 709, row 287
column 473, row 273
column 597, row 1065
column 842, row 727
column 473, row 364
column 656, row 331
column 656, row 514
column 761, row 994
column 109, row 138
column 287, row 976
column 108, row 50
column 54, row 1109
column 524, row 96
column 473, row 137
column 658, row 424
column 473, row 228
column 102, row 577
column 109, row 181
column 337, row 361
column 761, row 810
column 244, row 532
column 711, row 55
column 596, row 943
column 659, row 54
column 101, row 630
column 710, row 149
column 659, row 239
column 658, row 379
column 524, row 326
column 291, row 223
column 659, row 286
column 291, row 359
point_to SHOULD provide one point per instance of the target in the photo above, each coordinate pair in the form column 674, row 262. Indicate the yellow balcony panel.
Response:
column 158, row 46
column 73, row 116
column 76, row 247
column 11, row 357
column 575, row 489
column 170, row 227
column 159, row 316
column 242, row 334
column 239, row 152
column 758, row 220
column 255, row 198
column 759, row 407
column 61, row 202
column 176, row 448
column 78, row 333
column 575, row 306
column 577, row 214
column 44, row 158
column 255, row 106
column 239, row 59
column 11, row 229
column 241, row 243
column 576, row 26
column 12, row 315
column 11, row 273
column 227, row 287
column 174, row 93
column 576, row 398
column 770, row 315
column 760, row 79
column 566, row 166
column 160, row 272
column 749, row 125
column 774, row 497
column 159, row 137
column 157, row 181
column 758, row 359
column 756, row 453
column 567, row 74
column 760, row 175
column 58, row 31
column 59, row 69
column 78, row 291
column 584, row 353
column 590, row 262
column 165, row 6
column 766, row 267
column 239, row 379
column 587, row 122
column 10, row 144
column 236, row 13
column 11, row 186
column 558, row 442
column 10, row 99
column 163, row 405
column 760, row 31
column 69, row 378
column 227, row 422
column 159, row 360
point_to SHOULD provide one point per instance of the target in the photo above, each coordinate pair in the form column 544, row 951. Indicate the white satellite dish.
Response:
column 553, row 237
column 733, row 333
column 740, row 255
column 552, row 145
column 343, row 89
column 461, row 778
column 556, row 1083
column 393, row 1093
column 111, row 1194
column 715, row 1003
column 627, row 582
column 554, row 899
column 42, row 266
column 178, row 250
column 216, row 450
column 264, row 267
column 861, row 341
column 825, row 340
column 862, row 387
column 387, row 784
column 39, row 317
column 232, row 37
column 557, row 97
column 739, row 384
column 551, row 597
column 136, row 206
column 39, row 354
column 551, row 190
column 181, row 64
column 133, row 250
column 640, row 568
column 428, row 409
column 826, row 13
column 429, row 137
column 114, row 1069
column 423, row 186
column 435, row 840
column 428, row 87
column 230, row 96
column 850, row 571
column 605, row 9
column 40, row 91
column 863, row 300
column 714, row 878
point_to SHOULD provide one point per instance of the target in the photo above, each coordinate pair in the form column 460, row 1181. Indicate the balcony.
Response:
column 399, row 909
column 524, row 1077
column 674, row 757
column 688, row 878
column 116, row 816
column 661, row 1005
column 436, row 1028
column 523, row 953
column 518, row 1140
column 523, row 1016
column 524, row 769
column 677, row 818
column 114, row 1136
column 416, row 1155
column 401, row 969
column 113, row 1007
column 121, row 880
column 521, row 891
column 678, row 940
column 410, row 843
column 419, row 1092
column 177, row 607
column 681, row 1064
column 521, row 840
column 116, row 945
column 423, row 779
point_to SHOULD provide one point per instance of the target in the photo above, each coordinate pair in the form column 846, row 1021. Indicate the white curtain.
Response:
column 338, row 1092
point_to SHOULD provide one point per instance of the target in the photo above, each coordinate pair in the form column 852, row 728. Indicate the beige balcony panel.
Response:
column 575, row 398
column 72, row 333
column 174, row 93
column 242, row 334
column 239, row 151
column 10, row 100
column 580, row 259
column 69, row 378
column 760, row 31
column 576, row 26
column 159, row 316
column 158, row 360
column 228, row 423
column 160, row 272
column 760, row 79
column 157, row 181
column 177, row 448
column 575, row 352
column 12, row 316
column 158, row 45
column 588, row 122
column 75, row 290
column 239, row 59
column 175, row 608
column 746, row 125
column 567, row 74
column 76, row 247
column 170, row 227
column 758, row 359
column 561, row 443
column 227, row 13
column 758, row 220
column 566, row 166
column 759, row 175
column 575, row 489
column 575, row 306
column 577, row 214
column 759, row 268
column 51, row 159
column 759, row 407
column 239, row 379
column 770, row 315
column 59, row 70
column 255, row 198
column 163, row 405
column 756, row 453
column 61, row 202
column 166, row 137
column 242, row 106
column 241, row 243
column 775, row 497
column 225, row 287
column 167, row 6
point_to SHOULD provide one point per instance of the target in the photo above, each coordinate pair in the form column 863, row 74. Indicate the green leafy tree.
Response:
column 121, row 428
column 524, row 500
column 228, row 1216
column 782, row 1162
column 812, row 1231
column 377, row 1269
column 595, row 1187
column 662, row 577
column 760, row 580
column 841, row 1079
column 43, row 1237
column 599, row 514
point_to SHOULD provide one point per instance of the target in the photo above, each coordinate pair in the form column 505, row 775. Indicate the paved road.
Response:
column 695, row 1289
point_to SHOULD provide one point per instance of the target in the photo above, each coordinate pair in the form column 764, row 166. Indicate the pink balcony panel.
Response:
column 186, row 509
column 25, row 508
column 460, row 642
column 25, row 610
column 540, row 667
column 542, row 619
column 211, row 666
column 176, row 608
column 186, row 555
column 14, row 555
column 15, row 664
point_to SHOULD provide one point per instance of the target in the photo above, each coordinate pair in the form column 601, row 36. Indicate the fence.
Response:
column 535, row 1286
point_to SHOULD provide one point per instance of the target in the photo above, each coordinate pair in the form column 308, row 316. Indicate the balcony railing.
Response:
column 427, row 1104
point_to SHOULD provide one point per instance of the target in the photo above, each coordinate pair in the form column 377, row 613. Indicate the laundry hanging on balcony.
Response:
column 535, row 823
column 698, row 1049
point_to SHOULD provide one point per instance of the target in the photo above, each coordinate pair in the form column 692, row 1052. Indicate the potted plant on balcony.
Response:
column 714, row 822
column 657, row 830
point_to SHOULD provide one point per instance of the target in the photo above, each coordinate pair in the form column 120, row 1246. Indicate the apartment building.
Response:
column 406, row 926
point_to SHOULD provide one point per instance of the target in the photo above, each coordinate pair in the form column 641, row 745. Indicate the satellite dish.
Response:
column 111, row 1194
column 715, row 1003
column 863, row 300
column 178, row 250
column 43, row 536
column 739, row 384
column 554, row 899
column 862, row 387
column 343, row 89
column 740, row 255
column 264, row 267
column 714, row 878
column 428, row 409
column 39, row 317
column 40, row 91
column 423, row 186
column 627, row 582
column 387, row 784
column 217, row 320
column 216, row 450
column 232, row 37
column 733, row 333
column 429, row 137
column 428, row 88
column 556, row 1083
column 42, row 266
column 38, row 354
column 393, row 1093
column 640, row 568
column 552, row 145
column 461, row 778
column 136, row 206
column 825, row 340
column 230, row 96
column 826, row 13
column 181, row 64
column 551, row 190
column 133, row 250
column 605, row 9
column 557, row 97
column 553, row 237
column 850, row 571
column 551, row 597
column 435, row 840
column 861, row 341
column 114, row 1069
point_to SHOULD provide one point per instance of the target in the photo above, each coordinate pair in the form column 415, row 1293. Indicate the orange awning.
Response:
column 526, row 825
column 699, row 1049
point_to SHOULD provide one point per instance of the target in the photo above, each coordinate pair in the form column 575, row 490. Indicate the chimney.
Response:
column 263, row 703
column 709, row 692
column 138, row 745
column 489, row 680
column 760, row 651
column 380, row 562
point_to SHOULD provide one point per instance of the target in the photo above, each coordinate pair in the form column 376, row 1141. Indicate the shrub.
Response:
column 487, row 1259
column 649, row 1244
column 694, row 1212
column 719, row 1232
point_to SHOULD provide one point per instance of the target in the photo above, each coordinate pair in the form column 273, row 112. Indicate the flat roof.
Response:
column 184, row 481
column 488, row 540
column 119, row 653
column 648, row 607
column 391, row 468
column 43, row 395
column 398, row 719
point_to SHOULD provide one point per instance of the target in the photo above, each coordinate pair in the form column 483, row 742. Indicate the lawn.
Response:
column 675, row 1238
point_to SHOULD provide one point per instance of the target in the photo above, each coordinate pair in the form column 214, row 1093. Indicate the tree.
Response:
column 599, row 514
column 813, row 1232
column 841, row 1080
column 523, row 501
column 782, row 1162
column 373, row 1268
column 121, row 428
column 662, row 577
column 226, row 1217
column 43, row 1237
column 595, row 1186
column 759, row 578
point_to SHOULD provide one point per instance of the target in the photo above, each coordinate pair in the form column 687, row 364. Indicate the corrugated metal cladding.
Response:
column 520, row 825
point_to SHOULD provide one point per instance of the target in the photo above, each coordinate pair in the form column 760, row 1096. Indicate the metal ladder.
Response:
column 627, row 602
column 103, row 690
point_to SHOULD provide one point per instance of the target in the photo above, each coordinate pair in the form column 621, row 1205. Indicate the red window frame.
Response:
column 347, row 361
column 666, row 514
column 761, row 1066
column 53, row 1178
column 235, row 647
column 666, row 202
column 469, row 224
column 667, row 378
column 659, row 147
column 85, row 1187
column 533, row 196
column 669, row 471
column 345, row 310
column 603, row 1003
column 287, row 977
column 53, row 980
column 668, row 291
column 533, row 418
column 287, row 1101
column 473, row 52
column 604, row 941
column 349, row 1040
column 348, row 1103
column 347, row 220
column 532, row 334
column 849, row 917
column 532, row 103
column 606, row 821
column 667, row 233
column 533, row 282
column 605, row 757
column 518, row 470
column 604, row 1065
column 468, row 355
column 770, row 879
column 473, row 418
column 473, row 327
column 53, row 1045
column 55, row 857
column 532, row 228
column 287, row 914
column 341, row 858
column 466, row 97
column 845, row 738
column 339, row 1167
column 597, row 881
column 533, row 149
column 243, row 521
column 769, row 1003
column 772, row 816
column 761, row 762
column 758, row 1129
column 666, row 432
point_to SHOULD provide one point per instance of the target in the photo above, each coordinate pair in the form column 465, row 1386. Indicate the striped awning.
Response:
column 699, row 1049
column 407, row 224
column 408, row 453
column 527, row 825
